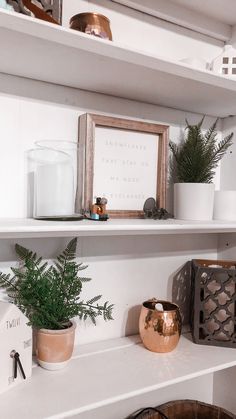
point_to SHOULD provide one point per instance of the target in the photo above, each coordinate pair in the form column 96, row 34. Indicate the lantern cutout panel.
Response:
column 15, row 348
column 225, row 63
column 214, row 302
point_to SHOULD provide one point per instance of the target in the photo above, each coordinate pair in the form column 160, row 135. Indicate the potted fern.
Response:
column 49, row 295
column 195, row 161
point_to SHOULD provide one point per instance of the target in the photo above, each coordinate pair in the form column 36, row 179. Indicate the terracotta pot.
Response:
column 160, row 330
column 54, row 347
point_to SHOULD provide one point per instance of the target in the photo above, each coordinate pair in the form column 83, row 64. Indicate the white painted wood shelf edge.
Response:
column 64, row 51
column 131, row 368
column 28, row 227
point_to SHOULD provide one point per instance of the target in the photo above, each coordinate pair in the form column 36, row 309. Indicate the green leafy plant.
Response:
column 197, row 157
column 50, row 295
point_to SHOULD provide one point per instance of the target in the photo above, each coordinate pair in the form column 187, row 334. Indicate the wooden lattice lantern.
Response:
column 15, row 347
column 213, row 306
column 225, row 63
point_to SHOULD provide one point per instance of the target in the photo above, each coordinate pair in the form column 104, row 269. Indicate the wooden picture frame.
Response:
column 90, row 125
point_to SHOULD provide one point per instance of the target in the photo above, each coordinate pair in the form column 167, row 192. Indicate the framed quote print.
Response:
column 122, row 160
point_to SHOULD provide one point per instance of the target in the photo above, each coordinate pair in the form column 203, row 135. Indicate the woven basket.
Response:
column 183, row 409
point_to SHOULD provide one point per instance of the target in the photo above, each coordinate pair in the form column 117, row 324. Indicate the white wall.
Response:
column 228, row 167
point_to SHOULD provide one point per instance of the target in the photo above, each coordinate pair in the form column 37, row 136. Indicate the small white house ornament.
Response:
column 15, row 346
column 225, row 63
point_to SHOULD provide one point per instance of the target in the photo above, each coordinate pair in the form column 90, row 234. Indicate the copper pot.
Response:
column 92, row 24
column 160, row 330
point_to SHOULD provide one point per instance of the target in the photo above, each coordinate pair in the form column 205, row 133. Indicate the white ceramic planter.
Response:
column 194, row 201
column 225, row 205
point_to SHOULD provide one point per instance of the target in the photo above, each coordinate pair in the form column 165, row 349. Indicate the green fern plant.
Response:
column 50, row 295
column 197, row 157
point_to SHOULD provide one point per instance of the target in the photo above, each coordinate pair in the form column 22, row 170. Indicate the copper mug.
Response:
column 92, row 24
column 160, row 329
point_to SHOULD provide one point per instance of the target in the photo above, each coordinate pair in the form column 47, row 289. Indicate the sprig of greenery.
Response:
column 50, row 295
column 197, row 157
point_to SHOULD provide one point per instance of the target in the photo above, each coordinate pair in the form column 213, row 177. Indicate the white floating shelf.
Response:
column 23, row 228
column 42, row 51
column 126, row 364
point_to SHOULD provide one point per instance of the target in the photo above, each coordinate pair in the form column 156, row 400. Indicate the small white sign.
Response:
column 124, row 164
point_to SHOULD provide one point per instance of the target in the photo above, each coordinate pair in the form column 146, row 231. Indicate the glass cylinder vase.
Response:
column 52, row 178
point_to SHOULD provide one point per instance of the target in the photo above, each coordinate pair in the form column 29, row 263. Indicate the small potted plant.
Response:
column 195, row 160
column 49, row 295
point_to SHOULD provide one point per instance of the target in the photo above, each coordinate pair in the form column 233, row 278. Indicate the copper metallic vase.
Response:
column 92, row 24
column 160, row 330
